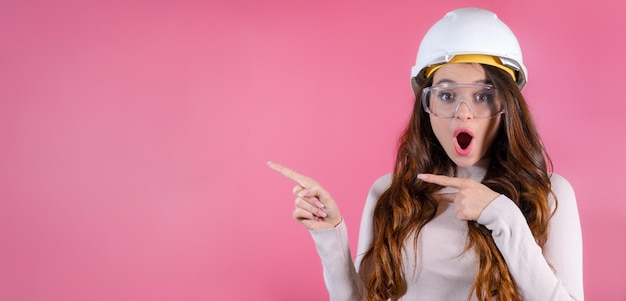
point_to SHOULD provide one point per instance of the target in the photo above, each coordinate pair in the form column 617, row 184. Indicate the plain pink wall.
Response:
column 135, row 134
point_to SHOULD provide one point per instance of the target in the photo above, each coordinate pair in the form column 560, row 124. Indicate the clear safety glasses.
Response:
column 445, row 100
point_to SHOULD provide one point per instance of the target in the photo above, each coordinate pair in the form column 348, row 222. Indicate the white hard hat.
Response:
column 469, row 31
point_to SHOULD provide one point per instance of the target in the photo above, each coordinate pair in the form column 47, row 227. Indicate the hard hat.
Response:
column 469, row 31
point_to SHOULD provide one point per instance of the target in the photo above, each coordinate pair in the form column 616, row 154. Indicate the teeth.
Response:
column 464, row 139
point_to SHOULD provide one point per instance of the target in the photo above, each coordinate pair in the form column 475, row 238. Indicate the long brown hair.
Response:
column 519, row 169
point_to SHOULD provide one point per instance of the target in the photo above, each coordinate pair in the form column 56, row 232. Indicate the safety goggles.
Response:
column 445, row 100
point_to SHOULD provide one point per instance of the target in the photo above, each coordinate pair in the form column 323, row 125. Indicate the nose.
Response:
column 463, row 111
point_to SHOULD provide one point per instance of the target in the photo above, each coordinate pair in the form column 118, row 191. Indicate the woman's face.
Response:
column 465, row 139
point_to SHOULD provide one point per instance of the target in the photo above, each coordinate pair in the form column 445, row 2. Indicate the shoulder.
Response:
column 380, row 185
column 559, row 182
column 560, row 185
column 376, row 190
column 562, row 191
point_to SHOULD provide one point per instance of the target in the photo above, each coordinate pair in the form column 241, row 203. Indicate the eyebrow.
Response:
column 449, row 81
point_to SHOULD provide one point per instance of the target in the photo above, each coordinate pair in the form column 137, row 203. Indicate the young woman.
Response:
column 472, row 210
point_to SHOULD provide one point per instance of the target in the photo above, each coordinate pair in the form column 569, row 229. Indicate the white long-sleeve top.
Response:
column 441, row 270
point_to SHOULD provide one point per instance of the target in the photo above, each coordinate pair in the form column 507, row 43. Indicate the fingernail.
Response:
column 321, row 213
column 421, row 176
column 302, row 193
column 320, row 204
column 268, row 163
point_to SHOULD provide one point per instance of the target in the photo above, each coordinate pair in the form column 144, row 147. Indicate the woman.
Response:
column 472, row 210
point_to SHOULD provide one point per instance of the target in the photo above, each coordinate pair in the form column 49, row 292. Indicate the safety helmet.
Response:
column 469, row 31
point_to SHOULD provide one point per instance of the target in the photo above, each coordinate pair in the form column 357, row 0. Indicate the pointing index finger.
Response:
column 289, row 173
column 443, row 180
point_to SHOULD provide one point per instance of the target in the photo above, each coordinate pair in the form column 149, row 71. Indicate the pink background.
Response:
column 135, row 134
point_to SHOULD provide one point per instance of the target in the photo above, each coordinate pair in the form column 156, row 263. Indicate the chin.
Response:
column 464, row 161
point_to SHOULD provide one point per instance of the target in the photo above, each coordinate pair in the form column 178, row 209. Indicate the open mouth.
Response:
column 464, row 139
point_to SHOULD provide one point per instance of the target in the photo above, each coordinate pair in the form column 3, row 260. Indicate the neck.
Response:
column 475, row 172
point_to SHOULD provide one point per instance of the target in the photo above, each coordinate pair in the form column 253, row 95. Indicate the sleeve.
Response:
column 554, row 274
column 340, row 273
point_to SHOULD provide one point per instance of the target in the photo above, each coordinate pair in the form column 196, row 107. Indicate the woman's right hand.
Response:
column 315, row 208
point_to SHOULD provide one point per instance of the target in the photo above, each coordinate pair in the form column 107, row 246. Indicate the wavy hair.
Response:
column 519, row 169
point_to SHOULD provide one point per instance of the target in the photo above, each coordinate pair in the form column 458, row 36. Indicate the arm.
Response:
column 529, row 266
column 340, row 273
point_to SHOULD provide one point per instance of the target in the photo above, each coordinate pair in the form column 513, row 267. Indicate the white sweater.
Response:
column 444, row 272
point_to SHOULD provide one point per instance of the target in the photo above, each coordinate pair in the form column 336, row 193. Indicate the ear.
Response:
column 415, row 86
column 417, row 82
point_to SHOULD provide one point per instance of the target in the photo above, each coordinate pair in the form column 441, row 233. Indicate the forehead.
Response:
column 460, row 73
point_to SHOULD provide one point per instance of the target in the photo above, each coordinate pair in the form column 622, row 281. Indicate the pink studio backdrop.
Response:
column 134, row 136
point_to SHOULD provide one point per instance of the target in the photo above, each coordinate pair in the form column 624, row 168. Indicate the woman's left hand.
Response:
column 471, row 199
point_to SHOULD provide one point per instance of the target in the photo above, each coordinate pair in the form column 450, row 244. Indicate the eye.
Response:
column 484, row 97
column 445, row 96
